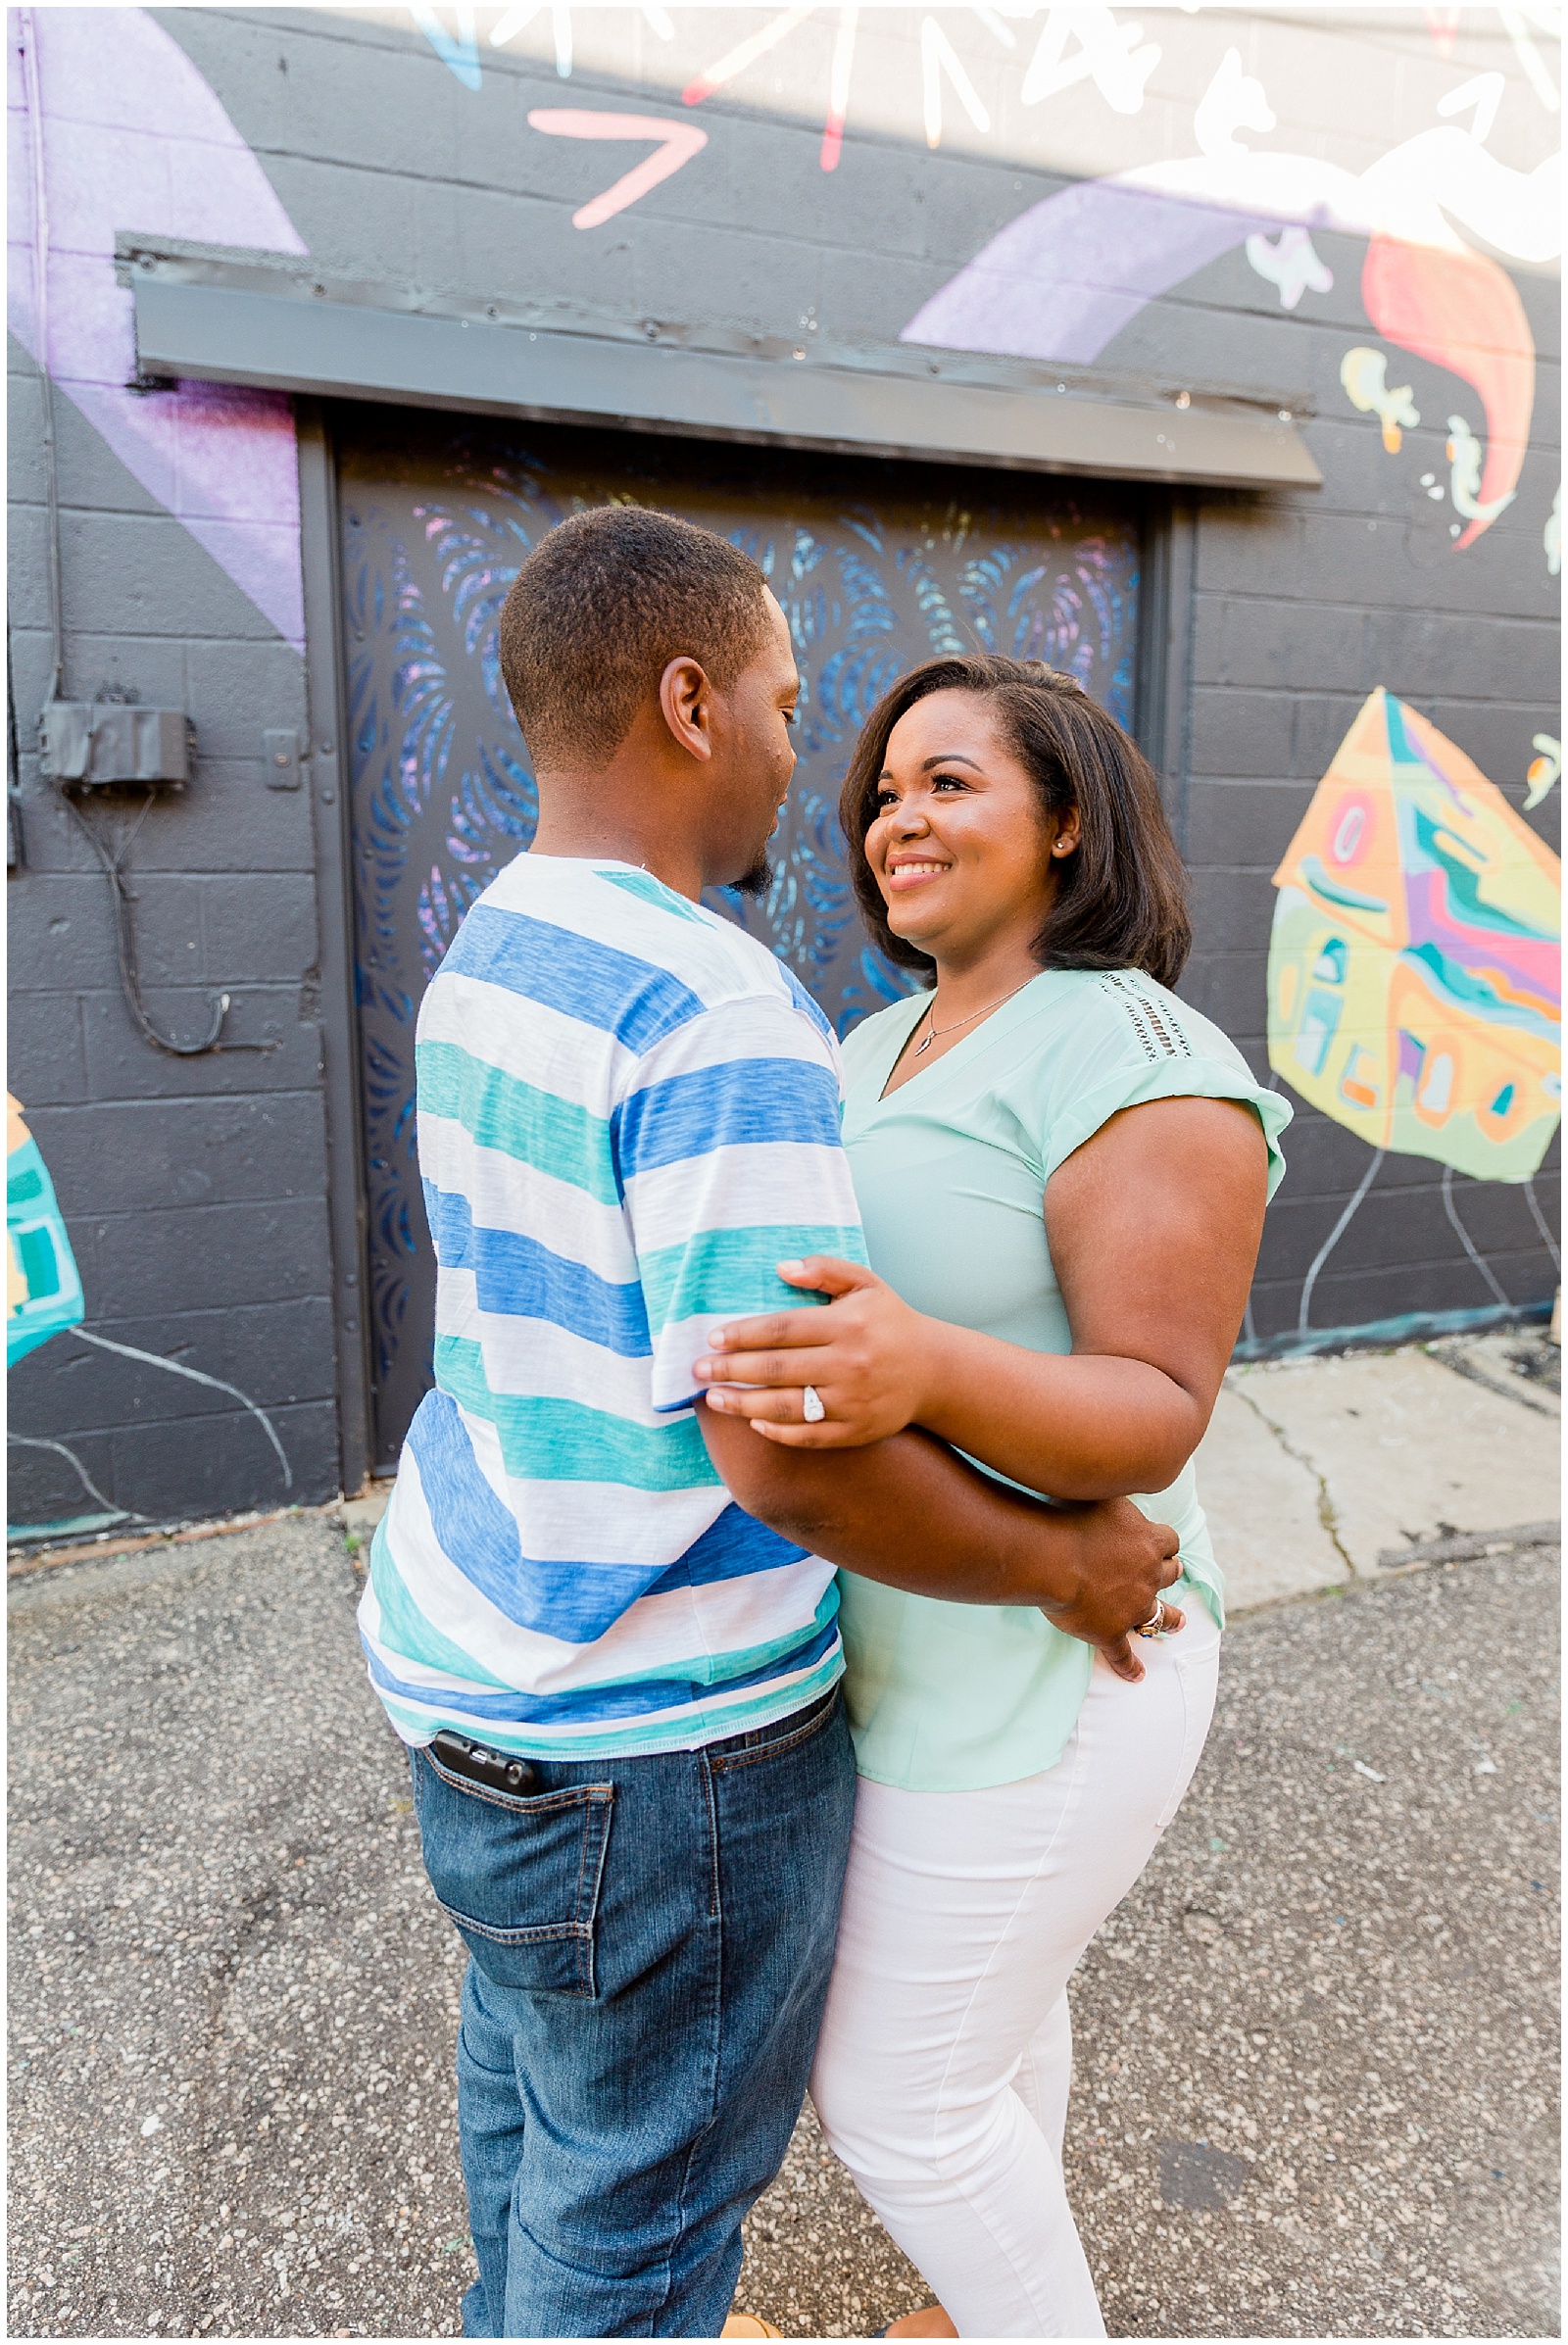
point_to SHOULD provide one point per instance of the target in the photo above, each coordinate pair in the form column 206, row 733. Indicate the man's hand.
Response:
column 1123, row 1561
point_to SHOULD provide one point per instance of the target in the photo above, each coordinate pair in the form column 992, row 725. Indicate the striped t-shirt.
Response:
column 629, row 1113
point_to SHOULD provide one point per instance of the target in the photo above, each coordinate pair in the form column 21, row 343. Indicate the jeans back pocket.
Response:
column 518, row 1875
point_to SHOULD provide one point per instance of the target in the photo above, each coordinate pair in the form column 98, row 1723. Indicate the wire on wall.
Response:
column 112, row 855
column 115, row 862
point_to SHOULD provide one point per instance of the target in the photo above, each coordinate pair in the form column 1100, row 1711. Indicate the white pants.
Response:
column 946, row 2056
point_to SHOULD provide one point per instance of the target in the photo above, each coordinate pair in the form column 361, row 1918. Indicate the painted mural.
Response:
column 45, row 1298
column 97, row 120
column 111, row 128
column 43, row 1291
column 1065, row 278
column 1439, row 213
column 1059, row 281
column 1416, row 1006
column 1414, row 983
column 1545, row 770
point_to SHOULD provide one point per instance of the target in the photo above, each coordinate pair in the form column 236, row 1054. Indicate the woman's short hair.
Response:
column 1120, row 901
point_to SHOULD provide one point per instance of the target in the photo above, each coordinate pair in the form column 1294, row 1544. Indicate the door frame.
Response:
column 1167, row 608
column 327, row 769
column 1161, row 726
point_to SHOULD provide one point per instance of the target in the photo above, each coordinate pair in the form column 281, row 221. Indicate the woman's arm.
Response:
column 910, row 1513
column 1154, row 1226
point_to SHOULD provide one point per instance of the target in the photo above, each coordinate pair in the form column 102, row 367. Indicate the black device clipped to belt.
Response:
column 496, row 1769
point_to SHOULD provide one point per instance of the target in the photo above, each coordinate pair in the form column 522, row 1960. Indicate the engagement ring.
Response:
column 811, row 1408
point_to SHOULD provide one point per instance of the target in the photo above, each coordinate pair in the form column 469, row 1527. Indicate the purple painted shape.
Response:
column 134, row 138
column 1060, row 280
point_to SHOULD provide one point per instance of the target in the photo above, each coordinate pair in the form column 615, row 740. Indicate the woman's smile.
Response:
column 905, row 871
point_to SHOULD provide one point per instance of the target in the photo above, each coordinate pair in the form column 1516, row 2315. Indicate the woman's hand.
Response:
column 867, row 1355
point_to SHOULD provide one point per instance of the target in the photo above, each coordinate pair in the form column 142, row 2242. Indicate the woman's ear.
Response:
column 1069, row 834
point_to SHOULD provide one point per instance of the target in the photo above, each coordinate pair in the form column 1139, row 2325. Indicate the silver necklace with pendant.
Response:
column 937, row 1033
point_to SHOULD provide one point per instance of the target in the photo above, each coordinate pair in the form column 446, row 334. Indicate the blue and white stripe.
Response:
column 629, row 1113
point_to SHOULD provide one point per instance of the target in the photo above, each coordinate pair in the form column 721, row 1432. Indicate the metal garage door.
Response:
column 877, row 565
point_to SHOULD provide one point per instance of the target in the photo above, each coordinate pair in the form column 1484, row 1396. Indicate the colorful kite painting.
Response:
column 43, row 1294
column 1414, row 992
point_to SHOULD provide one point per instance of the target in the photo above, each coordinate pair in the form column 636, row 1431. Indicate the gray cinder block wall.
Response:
column 196, row 1190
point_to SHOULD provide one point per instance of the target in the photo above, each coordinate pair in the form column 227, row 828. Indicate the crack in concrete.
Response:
column 1325, row 1503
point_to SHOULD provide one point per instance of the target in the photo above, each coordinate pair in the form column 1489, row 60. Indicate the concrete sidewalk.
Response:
column 1315, row 1472
column 1316, row 2065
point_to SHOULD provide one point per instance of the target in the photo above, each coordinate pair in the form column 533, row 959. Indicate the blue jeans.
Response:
column 650, row 1942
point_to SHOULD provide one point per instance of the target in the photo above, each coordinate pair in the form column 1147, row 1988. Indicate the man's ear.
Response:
column 685, row 698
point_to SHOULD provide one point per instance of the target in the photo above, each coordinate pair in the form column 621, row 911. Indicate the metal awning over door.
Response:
column 877, row 565
column 239, row 317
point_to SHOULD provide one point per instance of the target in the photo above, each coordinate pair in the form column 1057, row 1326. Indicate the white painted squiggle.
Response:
column 1540, row 1220
column 1293, row 263
column 154, row 1359
column 1332, row 1241
column 27, row 1441
column 1484, row 93
column 1465, row 459
column 1465, row 1239
column 1364, row 375
column 1545, row 770
column 1108, row 54
column 938, row 56
column 1232, row 101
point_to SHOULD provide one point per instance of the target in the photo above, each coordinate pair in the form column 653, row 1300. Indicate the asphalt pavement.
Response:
column 1316, row 2046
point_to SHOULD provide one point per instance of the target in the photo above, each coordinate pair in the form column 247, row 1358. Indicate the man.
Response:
column 631, row 1769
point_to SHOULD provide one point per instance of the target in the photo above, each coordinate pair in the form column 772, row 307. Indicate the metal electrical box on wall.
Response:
column 108, row 743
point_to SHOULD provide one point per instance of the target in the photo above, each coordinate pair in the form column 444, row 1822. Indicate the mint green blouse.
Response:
column 950, row 1173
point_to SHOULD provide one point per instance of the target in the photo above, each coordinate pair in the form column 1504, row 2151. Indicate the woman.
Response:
column 1062, row 1172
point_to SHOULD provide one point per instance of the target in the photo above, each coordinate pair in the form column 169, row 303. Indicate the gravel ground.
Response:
column 1316, row 2046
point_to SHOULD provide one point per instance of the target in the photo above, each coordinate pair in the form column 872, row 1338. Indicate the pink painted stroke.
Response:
column 677, row 143
column 134, row 139
column 1462, row 311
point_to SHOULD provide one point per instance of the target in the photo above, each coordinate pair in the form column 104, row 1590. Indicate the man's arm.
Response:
column 909, row 1512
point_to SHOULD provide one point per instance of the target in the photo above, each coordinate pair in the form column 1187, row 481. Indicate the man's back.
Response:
column 628, row 1113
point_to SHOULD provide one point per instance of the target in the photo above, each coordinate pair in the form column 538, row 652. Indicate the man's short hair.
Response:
column 600, row 609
